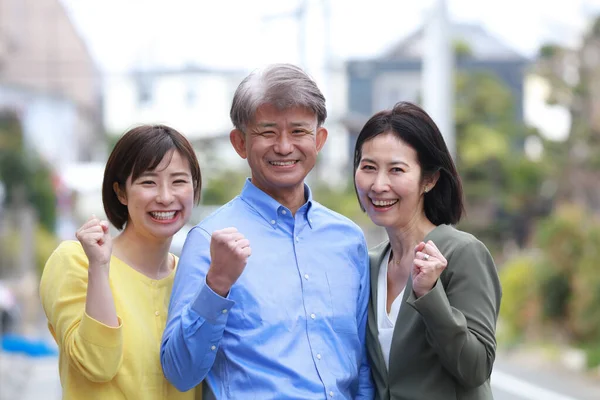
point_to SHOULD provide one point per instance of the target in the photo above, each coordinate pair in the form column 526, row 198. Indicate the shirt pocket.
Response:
column 344, row 287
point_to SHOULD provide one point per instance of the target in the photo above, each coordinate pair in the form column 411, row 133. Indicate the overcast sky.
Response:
column 242, row 34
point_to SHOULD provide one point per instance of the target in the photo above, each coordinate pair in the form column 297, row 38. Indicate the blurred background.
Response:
column 514, row 86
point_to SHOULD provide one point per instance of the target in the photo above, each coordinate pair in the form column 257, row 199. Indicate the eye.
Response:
column 267, row 133
column 147, row 182
column 180, row 181
column 397, row 169
column 368, row 168
column 299, row 132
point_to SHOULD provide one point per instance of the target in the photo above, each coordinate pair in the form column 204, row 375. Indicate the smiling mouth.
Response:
column 283, row 163
column 163, row 215
column 383, row 203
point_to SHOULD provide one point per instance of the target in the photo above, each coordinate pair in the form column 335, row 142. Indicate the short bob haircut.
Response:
column 281, row 85
column 410, row 123
column 139, row 150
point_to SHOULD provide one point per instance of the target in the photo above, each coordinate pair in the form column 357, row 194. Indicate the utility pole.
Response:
column 299, row 16
column 438, row 71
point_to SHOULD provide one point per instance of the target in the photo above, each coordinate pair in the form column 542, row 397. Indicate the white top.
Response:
column 385, row 321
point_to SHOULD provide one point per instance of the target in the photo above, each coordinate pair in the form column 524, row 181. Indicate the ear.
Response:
column 321, row 138
column 121, row 195
column 238, row 141
column 431, row 181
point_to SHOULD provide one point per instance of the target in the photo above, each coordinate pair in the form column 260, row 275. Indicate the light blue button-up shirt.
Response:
column 292, row 326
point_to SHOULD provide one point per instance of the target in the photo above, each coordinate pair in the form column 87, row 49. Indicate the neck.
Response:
column 403, row 239
column 291, row 198
column 150, row 257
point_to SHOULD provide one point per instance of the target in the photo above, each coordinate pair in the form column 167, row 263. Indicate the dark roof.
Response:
column 482, row 45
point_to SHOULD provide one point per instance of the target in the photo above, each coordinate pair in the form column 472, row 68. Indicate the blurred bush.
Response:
column 520, row 303
column 44, row 244
column 557, row 291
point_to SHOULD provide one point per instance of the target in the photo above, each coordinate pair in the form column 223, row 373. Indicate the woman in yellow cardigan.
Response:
column 106, row 299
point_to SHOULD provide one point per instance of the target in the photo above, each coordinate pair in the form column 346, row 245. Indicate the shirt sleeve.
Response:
column 461, row 318
column 197, row 317
column 365, row 383
column 94, row 349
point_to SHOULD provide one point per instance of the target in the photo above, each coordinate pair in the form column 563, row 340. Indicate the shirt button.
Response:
column 297, row 238
column 313, row 316
column 318, row 356
column 306, row 276
column 224, row 311
column 272, row 222
column 330, row 393
column 283, row 212
column 156, row 313
column 213, row 347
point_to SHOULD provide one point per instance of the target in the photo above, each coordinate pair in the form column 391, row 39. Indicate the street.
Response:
column 23, row 378
column 513, row 381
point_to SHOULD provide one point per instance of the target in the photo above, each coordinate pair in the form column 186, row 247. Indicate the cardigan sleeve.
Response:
column 92, row 348
column 460, row 315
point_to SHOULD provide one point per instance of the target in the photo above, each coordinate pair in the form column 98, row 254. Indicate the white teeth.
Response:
column 282, row 163
column 384, row 203
column 163, row 215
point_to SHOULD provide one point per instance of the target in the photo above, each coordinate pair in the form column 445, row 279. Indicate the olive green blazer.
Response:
column 444, row 344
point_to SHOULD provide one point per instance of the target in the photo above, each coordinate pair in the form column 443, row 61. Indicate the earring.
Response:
column 426, row 189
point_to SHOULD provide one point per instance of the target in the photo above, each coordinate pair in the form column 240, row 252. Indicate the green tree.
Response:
column 502, row 185
column 573, row 75
column 26, row 177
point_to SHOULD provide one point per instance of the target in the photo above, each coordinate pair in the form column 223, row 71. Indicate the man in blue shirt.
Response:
column 271, row 292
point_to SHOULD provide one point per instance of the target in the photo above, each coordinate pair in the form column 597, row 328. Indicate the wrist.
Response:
column 98, row 269
column 218, row 284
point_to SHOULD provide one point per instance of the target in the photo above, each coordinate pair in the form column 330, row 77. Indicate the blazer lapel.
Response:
column 376, row 257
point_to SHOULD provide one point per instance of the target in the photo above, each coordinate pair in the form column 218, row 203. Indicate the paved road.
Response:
column 519, row 381
column 24, row 378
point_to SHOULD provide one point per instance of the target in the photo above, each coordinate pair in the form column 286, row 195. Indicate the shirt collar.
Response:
column 269, row 208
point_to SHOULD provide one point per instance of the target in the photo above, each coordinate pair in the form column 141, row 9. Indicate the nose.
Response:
column 164, row 195
column 283, row 145
column 381, row 183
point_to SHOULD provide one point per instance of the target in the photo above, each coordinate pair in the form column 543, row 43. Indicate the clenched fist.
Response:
column 229, row 252
column 427, row 267
column 96, row 242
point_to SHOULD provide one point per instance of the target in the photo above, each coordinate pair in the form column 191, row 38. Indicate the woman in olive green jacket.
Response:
column 435, row 293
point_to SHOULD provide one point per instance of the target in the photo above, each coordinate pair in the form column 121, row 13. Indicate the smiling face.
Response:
column 159, row 201
column 389, row 182
column 281, row 147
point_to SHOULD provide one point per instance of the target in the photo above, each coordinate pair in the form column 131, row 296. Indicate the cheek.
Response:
column 187, row 196
column 361, row 183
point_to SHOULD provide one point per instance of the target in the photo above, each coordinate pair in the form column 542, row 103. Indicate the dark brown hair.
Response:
column 139, row 150
column 443, row 204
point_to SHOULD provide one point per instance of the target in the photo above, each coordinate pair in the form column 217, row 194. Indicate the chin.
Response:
column 379, row 221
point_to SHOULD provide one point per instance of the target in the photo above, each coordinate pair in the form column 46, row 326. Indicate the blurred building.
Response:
column 48, row 76
column 379, row 83
column 194, row 100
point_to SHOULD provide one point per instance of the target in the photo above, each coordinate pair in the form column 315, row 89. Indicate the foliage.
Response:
column 45, row 242
column 222, row 187
column 560, row 286
column 572, row 74
column 503, row 187
column 519, row 305
column 24, row 174
column 586, row 289
column 341, row 201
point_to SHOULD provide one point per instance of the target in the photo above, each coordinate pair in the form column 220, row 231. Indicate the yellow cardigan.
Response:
column 101, row 362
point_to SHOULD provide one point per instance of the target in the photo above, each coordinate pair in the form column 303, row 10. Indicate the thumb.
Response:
column 104, row 226
column 419, row 247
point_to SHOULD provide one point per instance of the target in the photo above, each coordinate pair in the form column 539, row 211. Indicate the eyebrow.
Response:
column 273, row 124
column 395, row 162
column 174, row 174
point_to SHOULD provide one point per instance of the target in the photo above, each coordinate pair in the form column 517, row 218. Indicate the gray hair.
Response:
column 281, row 85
